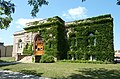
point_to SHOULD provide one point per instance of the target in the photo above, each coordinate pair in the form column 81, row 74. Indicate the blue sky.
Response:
column 68, row 10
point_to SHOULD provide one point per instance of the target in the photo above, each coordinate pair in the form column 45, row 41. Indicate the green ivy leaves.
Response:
column 36, row 4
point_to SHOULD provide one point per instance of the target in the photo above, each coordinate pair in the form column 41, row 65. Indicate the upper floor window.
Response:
column 19, row 43
column 93, row 41
column 27, row 46
column 91, row 34
column 73, row 39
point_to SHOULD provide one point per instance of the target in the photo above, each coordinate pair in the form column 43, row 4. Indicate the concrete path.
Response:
column 5, row 74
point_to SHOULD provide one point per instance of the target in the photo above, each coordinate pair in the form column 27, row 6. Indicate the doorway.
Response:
column 38, row 45
column 37, row 58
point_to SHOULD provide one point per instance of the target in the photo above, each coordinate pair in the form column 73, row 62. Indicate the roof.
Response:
column 1, row 44
column 19, row 32
column 45, row 22
column 96, row 19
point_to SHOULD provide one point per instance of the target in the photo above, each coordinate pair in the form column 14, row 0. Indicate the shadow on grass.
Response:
column 25, row 74
column 8, row 63
column 1, row 60
column 31, row 72
column 89, row 73
column 7, row 59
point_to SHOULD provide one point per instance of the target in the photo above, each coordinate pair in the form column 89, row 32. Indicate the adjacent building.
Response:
column 5, row 51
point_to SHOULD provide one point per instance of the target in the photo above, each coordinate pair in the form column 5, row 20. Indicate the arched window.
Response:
column 19, row 43
column 73, row 39
column 50, row 44
column 93, row 40
column 91, row 34
column 27, row 46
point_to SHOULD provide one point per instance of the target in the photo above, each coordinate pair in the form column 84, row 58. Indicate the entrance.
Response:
column 38, row 47
column 37, row 58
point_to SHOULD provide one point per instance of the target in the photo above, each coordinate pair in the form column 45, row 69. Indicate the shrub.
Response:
column 33, row 58
column 28, row 50
column 47, row 59
column 86, row 61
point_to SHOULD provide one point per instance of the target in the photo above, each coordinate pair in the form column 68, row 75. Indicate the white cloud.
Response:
column 76, row 13
column 22, row 22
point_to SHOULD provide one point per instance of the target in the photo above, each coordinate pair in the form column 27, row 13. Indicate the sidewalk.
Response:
column 4, row 74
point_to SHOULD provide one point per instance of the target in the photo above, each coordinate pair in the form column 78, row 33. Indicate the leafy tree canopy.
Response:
column 7, row 8
column 118, row 2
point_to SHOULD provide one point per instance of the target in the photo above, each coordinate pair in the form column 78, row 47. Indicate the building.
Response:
column 117, row 56
column 117, row 53
column 5, row 51
column 89, row 39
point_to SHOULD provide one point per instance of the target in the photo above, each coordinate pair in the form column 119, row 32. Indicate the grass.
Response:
column 65, row 70
column 7, row 59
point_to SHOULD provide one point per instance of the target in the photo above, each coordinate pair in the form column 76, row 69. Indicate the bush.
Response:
column 33, row 60
column 47, row 59
column 86, row 61
column 28, row 50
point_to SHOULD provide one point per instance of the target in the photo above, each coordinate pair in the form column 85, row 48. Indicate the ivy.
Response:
column 100, row 44
column 35, row 26
column 78, row 39
column 27, row 50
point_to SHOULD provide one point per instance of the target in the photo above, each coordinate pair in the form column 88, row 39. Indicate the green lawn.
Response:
column 64, row 70
column 7, row 59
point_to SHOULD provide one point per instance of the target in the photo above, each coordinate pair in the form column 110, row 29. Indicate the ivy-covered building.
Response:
column 89, row 39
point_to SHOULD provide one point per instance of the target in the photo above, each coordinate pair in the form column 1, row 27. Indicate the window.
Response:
column 79, row 42
column 91, row 34
column 38, row 49
column 93, row 41
column 50, row 45
column 20, row 43
column 27, row 46
column 73, row 40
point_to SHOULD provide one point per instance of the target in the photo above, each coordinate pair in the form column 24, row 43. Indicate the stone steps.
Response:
column 26, row 59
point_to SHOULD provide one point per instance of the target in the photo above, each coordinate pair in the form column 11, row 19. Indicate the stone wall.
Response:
column 2, row 51
column 9, row 50
column 6, row 51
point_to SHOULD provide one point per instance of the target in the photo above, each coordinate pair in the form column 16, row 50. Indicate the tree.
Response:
column 118, row 2
column 7, row 8
column 36, row 4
